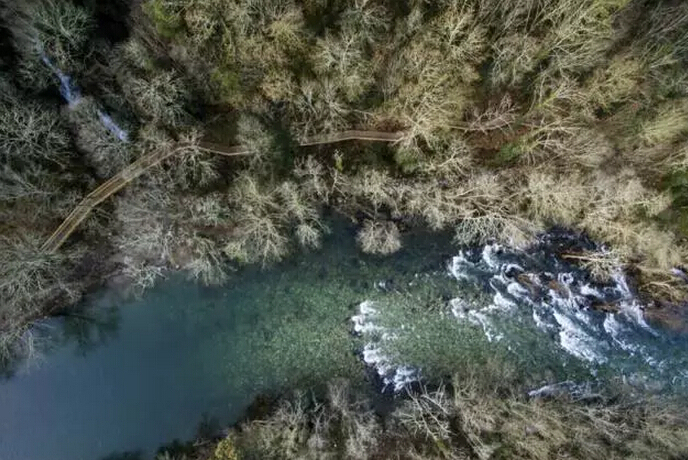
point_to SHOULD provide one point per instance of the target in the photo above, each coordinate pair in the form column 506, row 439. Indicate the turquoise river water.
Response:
column 127, row 375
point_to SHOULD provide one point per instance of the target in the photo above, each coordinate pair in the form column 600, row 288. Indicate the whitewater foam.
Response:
column 575, row 340
column 392, row 374
column 559, row 303
column 71, row 94
column 556, row 303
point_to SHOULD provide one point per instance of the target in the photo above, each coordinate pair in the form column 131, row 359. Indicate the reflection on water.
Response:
column 209, row 428
column 83, row 329
column 90, row 328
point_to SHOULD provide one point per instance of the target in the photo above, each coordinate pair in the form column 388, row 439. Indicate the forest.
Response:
column 502, row 119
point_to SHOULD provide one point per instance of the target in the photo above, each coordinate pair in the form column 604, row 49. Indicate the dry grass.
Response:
column 670, row 123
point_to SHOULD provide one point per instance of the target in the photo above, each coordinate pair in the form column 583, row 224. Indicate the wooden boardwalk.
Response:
column 134, row 170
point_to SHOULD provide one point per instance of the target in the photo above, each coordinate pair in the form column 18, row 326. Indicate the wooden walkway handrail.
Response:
column 101, row 193
column 352, row 135
column 135, row 169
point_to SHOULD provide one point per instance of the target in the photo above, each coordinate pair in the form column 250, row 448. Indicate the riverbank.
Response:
column 133, row 374
column 481, row 414
column 540, row 276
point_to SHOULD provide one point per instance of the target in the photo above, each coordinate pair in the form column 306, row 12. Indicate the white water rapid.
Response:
column 531, row 295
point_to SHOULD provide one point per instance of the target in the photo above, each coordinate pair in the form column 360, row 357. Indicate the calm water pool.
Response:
column 130, row 375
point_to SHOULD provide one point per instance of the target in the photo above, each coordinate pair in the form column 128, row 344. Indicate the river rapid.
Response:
column 128, row 375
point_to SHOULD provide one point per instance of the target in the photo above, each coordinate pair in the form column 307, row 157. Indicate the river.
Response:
column 128, row 375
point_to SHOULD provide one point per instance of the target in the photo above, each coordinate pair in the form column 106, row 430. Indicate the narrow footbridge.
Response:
column 140, row 166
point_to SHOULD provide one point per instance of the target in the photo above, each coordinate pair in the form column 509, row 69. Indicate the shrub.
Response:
column 427, row 415
column 193, row 168
column 142, row 215
column 252, row 134
column 28, row 272
column 557, row 200
column 166, row 16
column 379, row 237
column 133, row 53
column 374, row 187
column 158, row 99
column 616, row 82
column 282, row 436
column 201, row 21
column 207, row 262
column 450, row 159
column 226, row 450
column 286, row 28
column 341, row 426
column 142, row 275
column 354, row 418
column 227, row 85
column 29, row 279
column 312, row 175
column 515, row 56
column 317, row 108
column 309, row 236
column 259, row 235
column 106, row 152
column 428, row 84
column 344, row 62
column 576, row 38
column 477, row 416
column 266, row 216
column 29, row 186
column 343, row 57
column 63, row 27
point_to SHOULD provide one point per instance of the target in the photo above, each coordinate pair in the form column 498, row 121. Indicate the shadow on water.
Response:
column 208, row 429
column 130, row 455
column 89, row 328
column 83, row 329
